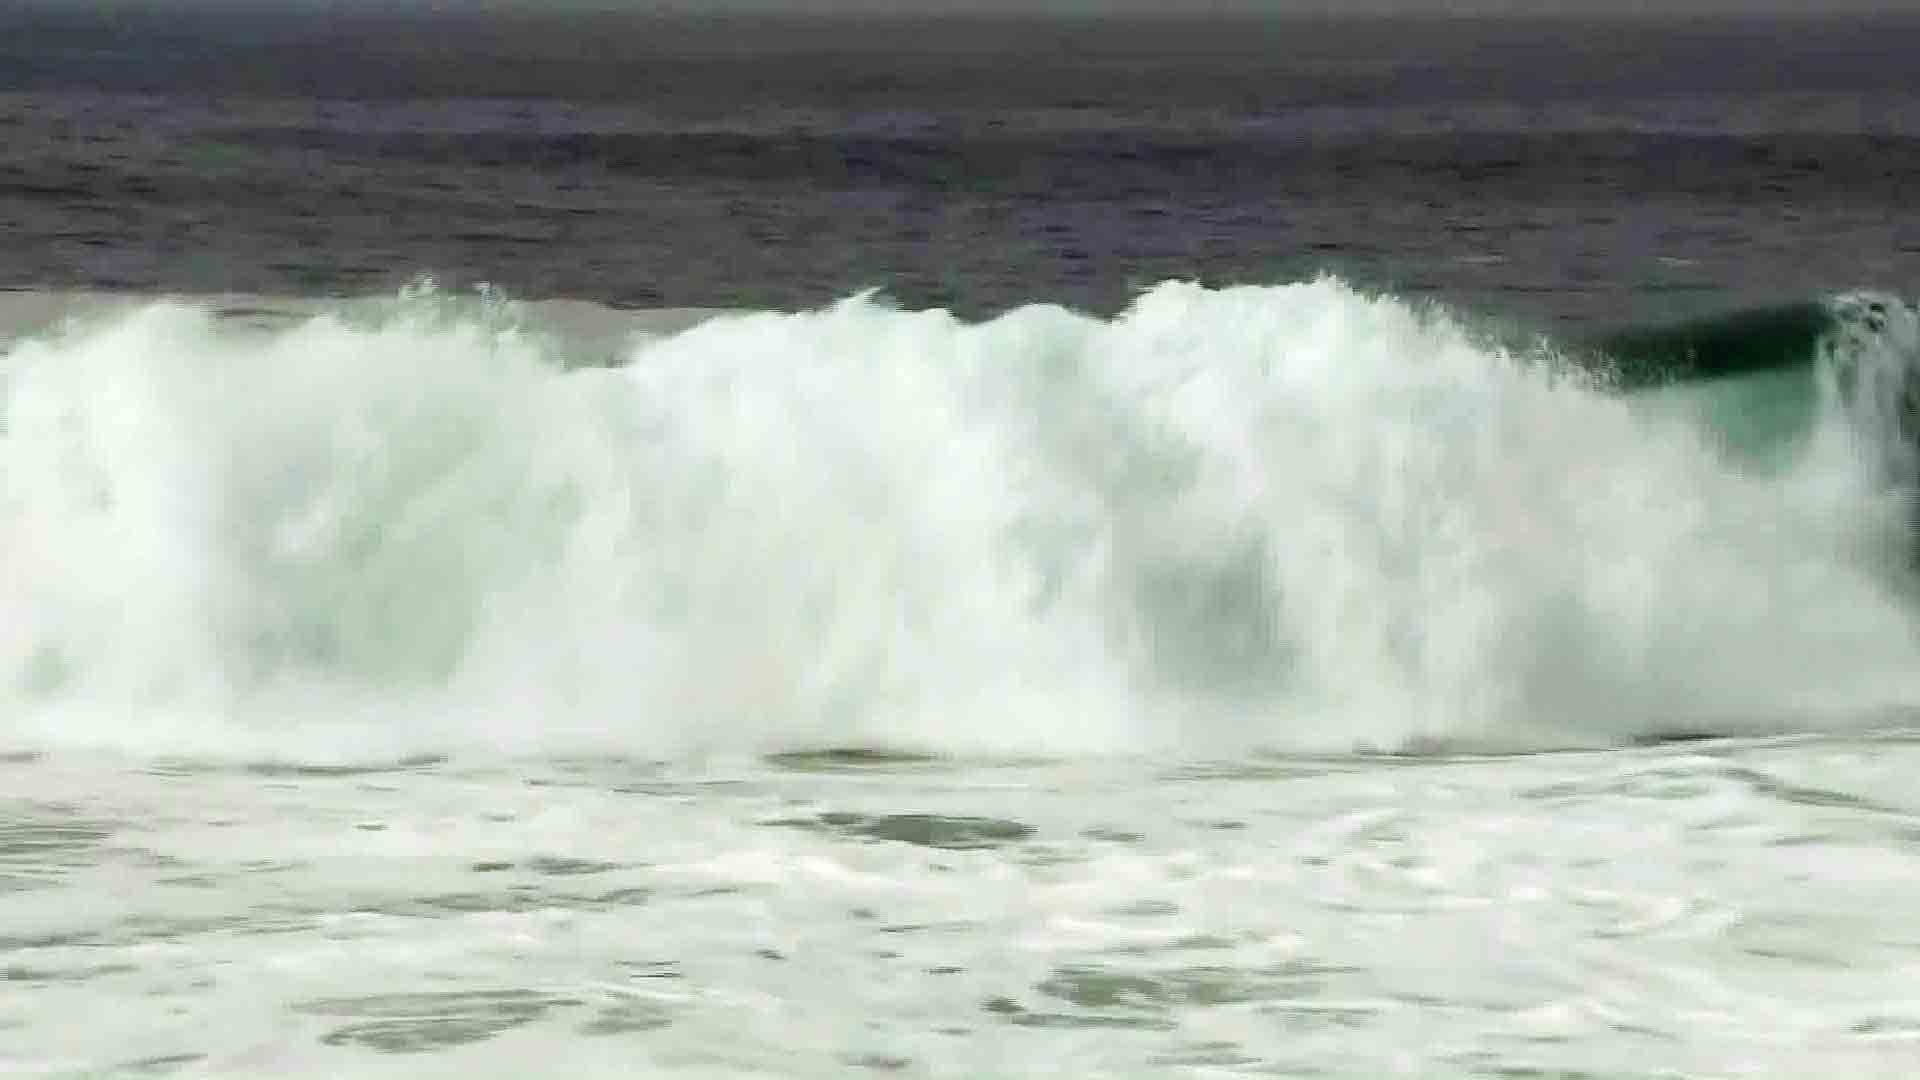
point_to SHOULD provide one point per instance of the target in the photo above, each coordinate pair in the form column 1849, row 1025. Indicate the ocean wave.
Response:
column 1295, row 517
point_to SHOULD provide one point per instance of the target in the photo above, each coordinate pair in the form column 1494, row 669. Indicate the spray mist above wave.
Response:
column 1290, row 517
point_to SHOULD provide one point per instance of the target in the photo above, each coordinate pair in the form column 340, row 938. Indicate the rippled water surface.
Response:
column 1560, row 172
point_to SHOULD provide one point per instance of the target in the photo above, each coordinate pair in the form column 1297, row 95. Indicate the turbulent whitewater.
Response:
column 1294, row 518
column 444, row 686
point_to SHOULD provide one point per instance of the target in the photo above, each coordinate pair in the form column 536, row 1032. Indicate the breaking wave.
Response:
column 1299, row 518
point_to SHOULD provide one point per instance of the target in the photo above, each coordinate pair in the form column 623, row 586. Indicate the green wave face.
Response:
column 1762, row 419
column 1740, row 343
column 1761, row 380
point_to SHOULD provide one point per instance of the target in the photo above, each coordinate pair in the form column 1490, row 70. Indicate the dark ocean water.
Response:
column 1551, row 172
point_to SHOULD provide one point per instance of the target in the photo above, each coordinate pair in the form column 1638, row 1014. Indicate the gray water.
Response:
column 1555, row 172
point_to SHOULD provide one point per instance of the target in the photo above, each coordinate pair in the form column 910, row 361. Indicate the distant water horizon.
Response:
column 1560, row 172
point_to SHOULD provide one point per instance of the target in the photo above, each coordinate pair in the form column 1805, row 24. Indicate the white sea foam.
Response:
column 1295, row 517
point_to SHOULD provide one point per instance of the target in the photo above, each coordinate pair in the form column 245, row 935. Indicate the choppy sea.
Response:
column 600, row 546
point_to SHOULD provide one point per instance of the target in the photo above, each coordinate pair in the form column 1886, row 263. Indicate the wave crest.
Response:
column 1295, row 517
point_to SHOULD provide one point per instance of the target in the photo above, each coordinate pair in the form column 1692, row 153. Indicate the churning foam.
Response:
column 1293, row 517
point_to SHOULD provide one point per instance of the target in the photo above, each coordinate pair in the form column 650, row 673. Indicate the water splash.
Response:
column 1297, row 517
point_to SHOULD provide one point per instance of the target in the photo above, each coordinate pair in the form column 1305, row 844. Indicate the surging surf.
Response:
column 1297, row 517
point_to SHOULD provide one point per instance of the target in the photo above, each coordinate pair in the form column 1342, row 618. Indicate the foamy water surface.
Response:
column 1717, row 910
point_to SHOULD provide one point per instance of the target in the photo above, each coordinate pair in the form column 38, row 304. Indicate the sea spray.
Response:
column 1295, row 517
